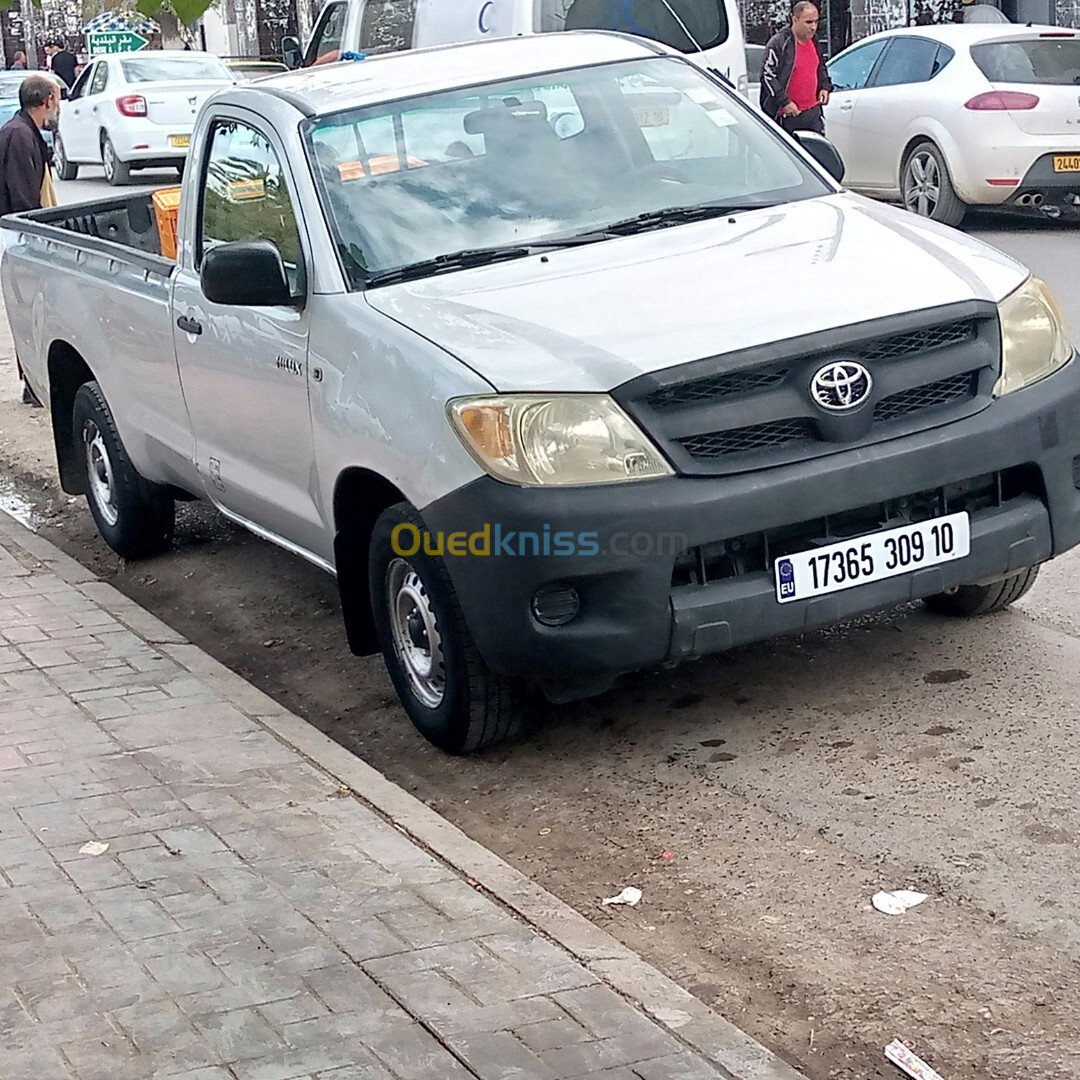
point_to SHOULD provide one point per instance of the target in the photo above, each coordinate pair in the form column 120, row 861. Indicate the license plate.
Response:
column 1067, row 163
column 180, row 142
column 872, row 558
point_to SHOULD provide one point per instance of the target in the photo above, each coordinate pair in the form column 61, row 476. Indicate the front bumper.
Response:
column 634, row 615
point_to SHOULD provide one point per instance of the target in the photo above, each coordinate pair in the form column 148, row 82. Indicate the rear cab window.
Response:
column 706, row 20
column 1047, row 61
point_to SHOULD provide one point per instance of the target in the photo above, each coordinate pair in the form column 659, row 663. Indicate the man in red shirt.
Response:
column 794, row 80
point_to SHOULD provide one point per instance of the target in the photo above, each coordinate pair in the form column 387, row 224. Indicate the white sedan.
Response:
column 135, row 111
column 946, row 117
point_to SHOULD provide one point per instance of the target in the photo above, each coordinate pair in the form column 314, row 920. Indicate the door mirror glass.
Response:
column 291, row 53
column 247, row 273
column 823, row 152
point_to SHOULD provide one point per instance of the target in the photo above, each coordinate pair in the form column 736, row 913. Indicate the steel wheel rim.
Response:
column 922, row 193
column 108, row 158
column 414, row 629
column 99, row 471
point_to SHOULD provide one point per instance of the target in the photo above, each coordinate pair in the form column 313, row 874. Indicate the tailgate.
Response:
column 1045, row 68
column 176, row 105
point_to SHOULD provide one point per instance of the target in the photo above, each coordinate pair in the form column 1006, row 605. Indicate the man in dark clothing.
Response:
column 63, row 63
column 24, row 157
column 794, row 80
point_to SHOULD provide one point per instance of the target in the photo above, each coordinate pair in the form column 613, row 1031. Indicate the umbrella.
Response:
column 119, row 21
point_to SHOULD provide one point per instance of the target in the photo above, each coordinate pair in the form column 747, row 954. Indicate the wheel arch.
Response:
column 67, row 372
column 360, row 496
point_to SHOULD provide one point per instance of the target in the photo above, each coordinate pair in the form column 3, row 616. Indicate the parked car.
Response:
column 707, row 31
column 136, row 110
column 10, row 81
column 947, row 117
column 255, row 69
column 551, row 407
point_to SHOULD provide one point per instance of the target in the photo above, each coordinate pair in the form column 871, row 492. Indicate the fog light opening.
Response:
column 555, row 604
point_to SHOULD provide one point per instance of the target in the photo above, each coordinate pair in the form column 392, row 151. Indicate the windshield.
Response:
column 175, row 69
column 682, row 24
column 1049, row 61
column 547, row 158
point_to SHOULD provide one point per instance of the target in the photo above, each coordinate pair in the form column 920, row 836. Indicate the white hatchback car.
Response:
column 135, row 111
column 947, row 117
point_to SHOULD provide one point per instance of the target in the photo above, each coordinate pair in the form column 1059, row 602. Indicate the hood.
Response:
column 594, row 317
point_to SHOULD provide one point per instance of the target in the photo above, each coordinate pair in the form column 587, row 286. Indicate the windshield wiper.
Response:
column 677, row 215
column 455, row 260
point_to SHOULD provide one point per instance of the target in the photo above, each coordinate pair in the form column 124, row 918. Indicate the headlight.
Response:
column 565, row 439
column 1034, row 340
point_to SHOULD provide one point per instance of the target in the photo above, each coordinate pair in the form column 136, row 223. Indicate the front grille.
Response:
column 754, row 408
column 744, row 440
column 931, row 396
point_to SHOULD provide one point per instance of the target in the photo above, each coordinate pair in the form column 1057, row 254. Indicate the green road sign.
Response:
column 114, row 41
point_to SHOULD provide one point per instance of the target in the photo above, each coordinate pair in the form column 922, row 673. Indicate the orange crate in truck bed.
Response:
column 166, row 209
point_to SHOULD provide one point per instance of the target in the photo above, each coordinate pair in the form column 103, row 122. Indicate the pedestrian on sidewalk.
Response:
column 19, row 63
column 62, row 62
column 25, row 160
column 794, row 81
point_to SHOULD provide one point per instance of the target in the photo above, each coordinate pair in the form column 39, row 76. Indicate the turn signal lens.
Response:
column 1001, row 101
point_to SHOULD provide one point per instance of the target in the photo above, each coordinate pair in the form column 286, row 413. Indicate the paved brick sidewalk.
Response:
column 252, row 918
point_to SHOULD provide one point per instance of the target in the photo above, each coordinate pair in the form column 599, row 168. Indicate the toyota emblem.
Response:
column 841, row 386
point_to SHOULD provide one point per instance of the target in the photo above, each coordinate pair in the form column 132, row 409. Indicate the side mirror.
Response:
column 291, row 53
column 823, row 152
column 245, row 274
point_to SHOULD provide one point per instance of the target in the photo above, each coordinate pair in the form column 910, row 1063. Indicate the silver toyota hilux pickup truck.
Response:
column 564, row 361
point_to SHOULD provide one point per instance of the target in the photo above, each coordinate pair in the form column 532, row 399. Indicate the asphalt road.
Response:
column 760, row 798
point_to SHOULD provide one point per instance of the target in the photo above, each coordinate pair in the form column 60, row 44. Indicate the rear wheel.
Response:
column 927, row 188
column 65, row 169
column 969, row 601
column 451, row 695
column 134, row 516
column 117, row 172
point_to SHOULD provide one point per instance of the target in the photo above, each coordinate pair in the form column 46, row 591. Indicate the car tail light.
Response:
column 1001, row 101
column 131, row 105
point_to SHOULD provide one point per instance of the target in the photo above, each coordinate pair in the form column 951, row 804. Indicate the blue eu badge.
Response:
column 785, row 573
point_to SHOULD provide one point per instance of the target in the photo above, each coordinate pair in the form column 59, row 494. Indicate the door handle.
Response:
column 847, row 106
column 189, row 326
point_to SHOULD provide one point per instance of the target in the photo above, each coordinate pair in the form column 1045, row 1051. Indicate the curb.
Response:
column 653, row 993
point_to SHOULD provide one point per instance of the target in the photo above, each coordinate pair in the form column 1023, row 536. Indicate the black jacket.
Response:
column 776, row 68
column 23, row 157
column 64, row 64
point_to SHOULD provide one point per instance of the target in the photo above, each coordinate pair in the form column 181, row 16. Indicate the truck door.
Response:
column 244, row 369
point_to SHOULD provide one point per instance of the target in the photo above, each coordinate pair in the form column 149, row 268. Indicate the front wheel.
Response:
column 969, row 601
column 117, row 172
column 453, row 698
column 134, row 516
column 65, row 170
column 927, row 188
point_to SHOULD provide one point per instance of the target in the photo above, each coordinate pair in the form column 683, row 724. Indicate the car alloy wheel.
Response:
column 922, row 191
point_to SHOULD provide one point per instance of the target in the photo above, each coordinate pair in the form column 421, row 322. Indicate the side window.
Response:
column 941, row 61
column 246, row 197
column 851, row 70
column 325, row 44
column 909, row 60
column 101, row 77
column 387, row 25
column 81, row 83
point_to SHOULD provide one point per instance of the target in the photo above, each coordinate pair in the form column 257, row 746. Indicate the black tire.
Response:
column 970, row 601
column 926, row 187
column 117, row 172
column 65, row 169
column 134, row 516
column 461, row 705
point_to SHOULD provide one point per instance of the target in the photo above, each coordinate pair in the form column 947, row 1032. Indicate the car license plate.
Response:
column 180, row 142
column 1067, row 163
column 872, row 558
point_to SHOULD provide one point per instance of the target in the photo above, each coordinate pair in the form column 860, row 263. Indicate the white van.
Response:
column 706, row 30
